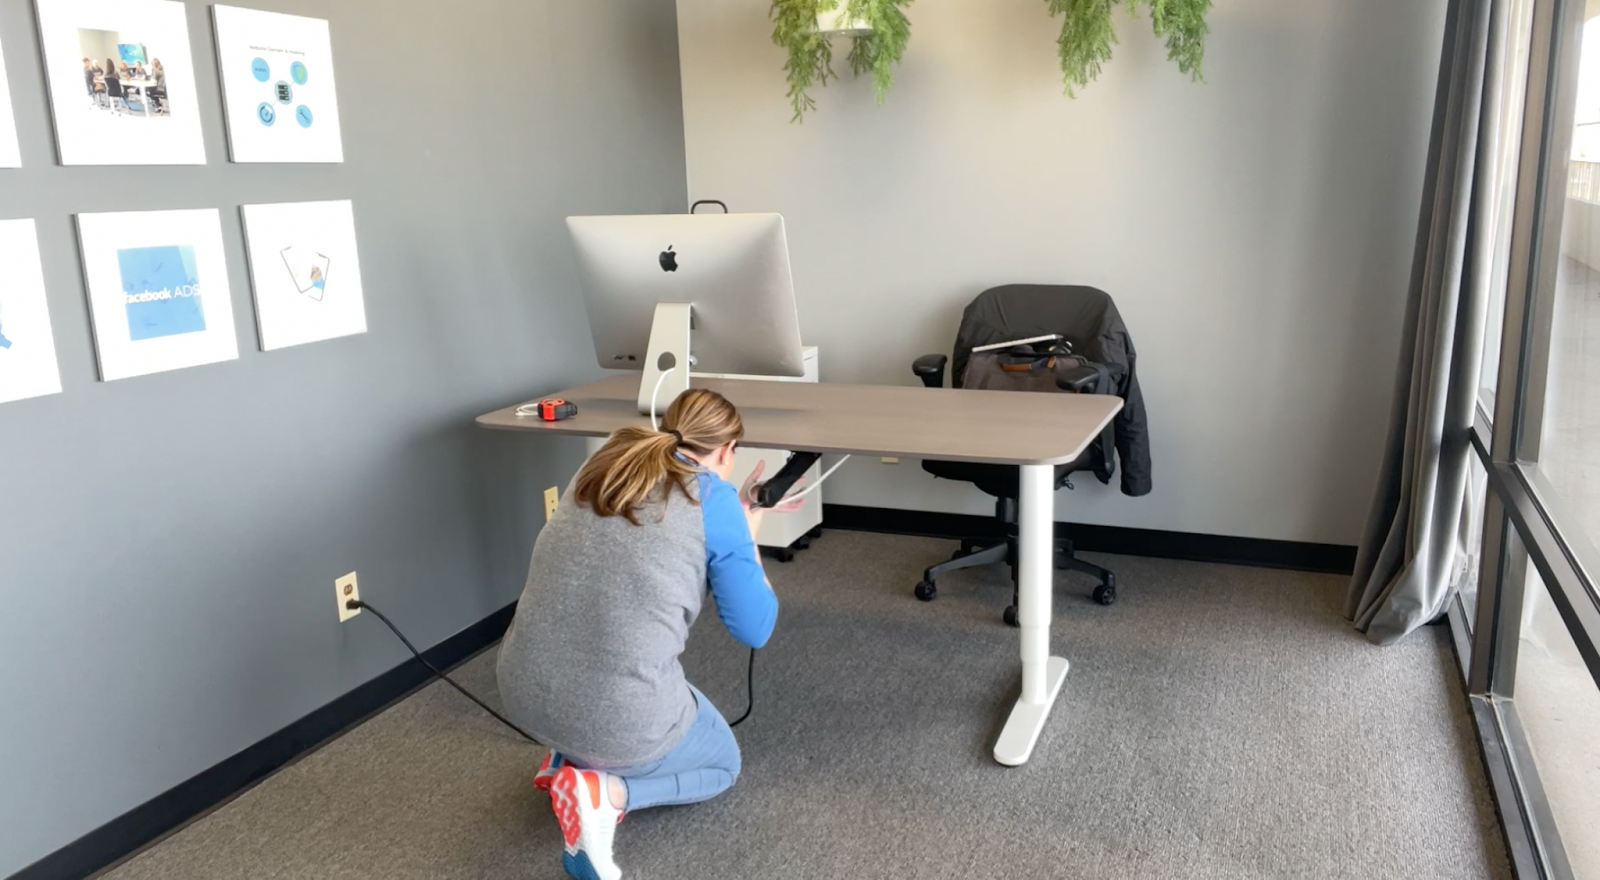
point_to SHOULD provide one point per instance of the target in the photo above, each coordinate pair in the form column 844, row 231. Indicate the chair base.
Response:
column 986, row 551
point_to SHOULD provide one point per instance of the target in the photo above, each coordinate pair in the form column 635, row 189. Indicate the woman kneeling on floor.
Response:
column 590, row 666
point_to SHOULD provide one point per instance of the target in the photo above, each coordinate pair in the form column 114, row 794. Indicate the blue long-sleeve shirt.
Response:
column 745, row 600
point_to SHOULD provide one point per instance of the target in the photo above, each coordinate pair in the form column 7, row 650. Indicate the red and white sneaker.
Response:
column 553, row 762
column 582, row 803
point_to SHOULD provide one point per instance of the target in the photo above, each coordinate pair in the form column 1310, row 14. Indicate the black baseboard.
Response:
column 149, row 822
column 1295, row 555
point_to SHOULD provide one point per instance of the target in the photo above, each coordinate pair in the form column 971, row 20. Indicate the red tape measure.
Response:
column 555, row 409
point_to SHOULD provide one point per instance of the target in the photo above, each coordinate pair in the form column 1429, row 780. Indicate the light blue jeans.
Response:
column 701, row 766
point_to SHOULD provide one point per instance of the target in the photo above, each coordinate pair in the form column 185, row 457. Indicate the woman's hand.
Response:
column 753, row 483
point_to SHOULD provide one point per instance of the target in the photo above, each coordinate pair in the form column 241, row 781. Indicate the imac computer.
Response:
column 671, row 293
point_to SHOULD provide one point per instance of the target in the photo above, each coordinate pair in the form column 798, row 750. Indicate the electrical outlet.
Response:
column 552, row 497
column 891, row 461
column 347, row 589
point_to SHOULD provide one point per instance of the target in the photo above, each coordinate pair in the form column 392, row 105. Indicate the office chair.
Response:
column 114, row 93
column 1084, row 322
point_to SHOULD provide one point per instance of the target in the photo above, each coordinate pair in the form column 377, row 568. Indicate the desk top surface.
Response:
column 995, row 427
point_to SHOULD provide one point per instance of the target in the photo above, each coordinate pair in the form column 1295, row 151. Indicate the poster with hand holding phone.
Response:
column 306, row 273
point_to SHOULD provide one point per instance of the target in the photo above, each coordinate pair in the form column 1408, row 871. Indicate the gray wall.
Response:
column 168, row 544
column 1256, row 230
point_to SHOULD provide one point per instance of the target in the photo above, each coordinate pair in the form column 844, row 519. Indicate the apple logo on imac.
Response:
column 669, row 260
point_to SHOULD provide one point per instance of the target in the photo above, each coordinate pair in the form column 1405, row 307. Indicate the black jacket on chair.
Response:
column 1089, row 320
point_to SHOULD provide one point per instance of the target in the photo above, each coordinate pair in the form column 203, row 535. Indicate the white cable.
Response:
column 655, row 425
column 814, row 486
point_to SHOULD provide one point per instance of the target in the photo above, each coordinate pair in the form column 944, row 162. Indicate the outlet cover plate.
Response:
column 347, row 589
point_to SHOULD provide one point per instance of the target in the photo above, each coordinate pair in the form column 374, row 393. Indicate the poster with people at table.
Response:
column 122, row 82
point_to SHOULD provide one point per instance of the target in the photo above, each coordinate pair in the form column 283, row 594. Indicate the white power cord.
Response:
column 814, row 486
column 655, row 425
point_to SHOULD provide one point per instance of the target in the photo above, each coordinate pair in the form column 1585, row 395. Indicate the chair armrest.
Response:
column 1077, row 380
column 930, row 368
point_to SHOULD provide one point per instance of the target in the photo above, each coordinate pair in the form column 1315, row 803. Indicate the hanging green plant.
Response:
column 1087, row 34
column 878, row 28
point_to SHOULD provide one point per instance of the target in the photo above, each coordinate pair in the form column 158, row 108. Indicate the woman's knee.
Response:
column 728, row 756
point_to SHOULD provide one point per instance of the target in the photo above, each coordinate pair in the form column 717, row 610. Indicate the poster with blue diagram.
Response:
column 27, row 347
column 158, row 291
column 278, row 86
column 162, row 286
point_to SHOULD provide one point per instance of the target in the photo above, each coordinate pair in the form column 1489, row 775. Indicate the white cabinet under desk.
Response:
column 779, row 531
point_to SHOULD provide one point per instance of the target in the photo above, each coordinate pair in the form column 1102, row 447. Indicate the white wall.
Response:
column 99, row 47
column 1256, row 231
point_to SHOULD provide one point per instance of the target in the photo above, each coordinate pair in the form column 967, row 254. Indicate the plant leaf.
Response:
column 1183, row 23
column 1087, row 35
column 878, row 52
column 810, row 60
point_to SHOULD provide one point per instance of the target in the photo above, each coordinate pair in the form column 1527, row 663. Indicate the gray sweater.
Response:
column 590, row 665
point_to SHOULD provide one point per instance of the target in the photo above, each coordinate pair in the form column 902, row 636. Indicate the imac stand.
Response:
column 668, row 355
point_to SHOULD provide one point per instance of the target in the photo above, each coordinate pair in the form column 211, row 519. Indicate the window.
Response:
column 1559, row 706
column 1560, row 434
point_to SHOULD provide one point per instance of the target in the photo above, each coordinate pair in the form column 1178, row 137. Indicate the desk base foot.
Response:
column 1022, row 729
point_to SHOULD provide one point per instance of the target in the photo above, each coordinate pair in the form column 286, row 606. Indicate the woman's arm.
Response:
column 745, row 601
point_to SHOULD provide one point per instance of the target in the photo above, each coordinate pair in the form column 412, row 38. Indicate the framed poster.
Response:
column 158, row 291
column 122, row 82
column 278, row 86
column 10, row 156
column 27, row 347
column 305, row 271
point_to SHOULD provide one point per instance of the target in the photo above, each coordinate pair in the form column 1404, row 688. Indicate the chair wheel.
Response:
column 927, row 591
column 1010, row 617
column 784, row 554
column 1105, row 594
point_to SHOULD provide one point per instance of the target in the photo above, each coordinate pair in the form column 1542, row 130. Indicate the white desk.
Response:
column 144, row 86
column 1035, row 432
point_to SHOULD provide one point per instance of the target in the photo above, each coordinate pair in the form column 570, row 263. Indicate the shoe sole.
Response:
column 564, row 794
column 567, row 786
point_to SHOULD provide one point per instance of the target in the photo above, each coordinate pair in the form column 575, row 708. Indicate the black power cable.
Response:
column 750, row 696
column 357, row 604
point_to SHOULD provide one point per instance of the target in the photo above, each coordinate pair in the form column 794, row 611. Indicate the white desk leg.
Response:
column 1042, row 674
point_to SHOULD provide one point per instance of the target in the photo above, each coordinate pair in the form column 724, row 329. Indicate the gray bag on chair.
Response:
column 1015, row 369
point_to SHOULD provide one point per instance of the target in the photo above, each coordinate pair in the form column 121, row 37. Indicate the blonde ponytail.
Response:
column 637, row 463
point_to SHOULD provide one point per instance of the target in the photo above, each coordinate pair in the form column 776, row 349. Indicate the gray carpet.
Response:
column 1218, row 722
